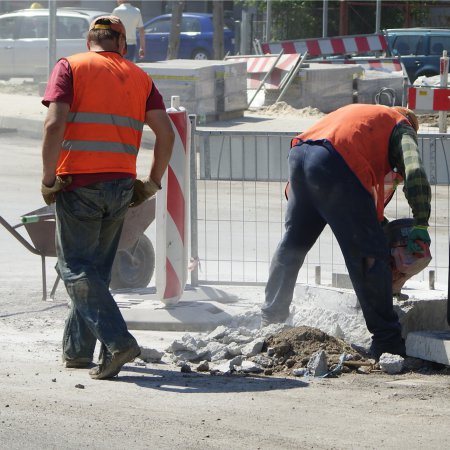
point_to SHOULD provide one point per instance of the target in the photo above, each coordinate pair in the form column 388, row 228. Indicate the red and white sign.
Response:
column 429, row 98
column 172, row 214
column 329, row 46
column 259, row 66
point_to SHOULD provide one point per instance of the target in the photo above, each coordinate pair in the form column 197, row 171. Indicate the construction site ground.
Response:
column 156, row 405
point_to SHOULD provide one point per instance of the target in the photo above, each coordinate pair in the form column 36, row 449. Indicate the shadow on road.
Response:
column 197, row 383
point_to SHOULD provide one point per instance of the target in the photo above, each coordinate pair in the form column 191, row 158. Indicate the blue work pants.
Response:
column 88, row 226
column 323, row 190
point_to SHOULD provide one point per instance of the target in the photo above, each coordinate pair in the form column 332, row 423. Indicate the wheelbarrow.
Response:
column 133, row 265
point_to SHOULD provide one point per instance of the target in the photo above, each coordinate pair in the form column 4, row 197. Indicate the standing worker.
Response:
column 131, row 17
column 98, row 103
column 337, row 171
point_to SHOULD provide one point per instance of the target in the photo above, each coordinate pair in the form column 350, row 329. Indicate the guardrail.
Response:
column 239, row 205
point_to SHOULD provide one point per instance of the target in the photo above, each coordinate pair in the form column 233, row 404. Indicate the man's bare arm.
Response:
column 159, row 122
column 54, row 126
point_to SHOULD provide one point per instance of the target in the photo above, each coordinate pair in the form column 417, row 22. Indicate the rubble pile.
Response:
column 276, row 349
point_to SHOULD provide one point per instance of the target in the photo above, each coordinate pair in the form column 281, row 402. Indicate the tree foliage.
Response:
column 302, row 19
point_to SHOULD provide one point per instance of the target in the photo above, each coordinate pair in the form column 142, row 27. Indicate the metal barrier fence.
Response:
column 238, row 209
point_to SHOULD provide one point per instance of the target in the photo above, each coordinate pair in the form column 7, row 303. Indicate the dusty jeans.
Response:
column 88, row 225
column 323, row 190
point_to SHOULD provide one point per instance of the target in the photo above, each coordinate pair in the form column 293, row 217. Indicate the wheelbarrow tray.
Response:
column 40, row 225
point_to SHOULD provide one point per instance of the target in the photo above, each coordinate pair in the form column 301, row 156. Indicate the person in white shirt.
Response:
column 131, row 17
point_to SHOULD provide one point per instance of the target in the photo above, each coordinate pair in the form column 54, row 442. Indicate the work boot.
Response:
column 77, row 363
column 111, row 364
column 397, row 348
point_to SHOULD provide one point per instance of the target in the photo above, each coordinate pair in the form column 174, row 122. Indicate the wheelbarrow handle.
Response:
column 18, row 236
column 36, row 218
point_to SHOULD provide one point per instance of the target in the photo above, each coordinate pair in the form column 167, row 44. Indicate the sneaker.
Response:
column 111, row 364
column 77, row 363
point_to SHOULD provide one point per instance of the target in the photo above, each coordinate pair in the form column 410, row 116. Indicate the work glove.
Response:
column 49, row 192
column 143, row 189
column 418, row 233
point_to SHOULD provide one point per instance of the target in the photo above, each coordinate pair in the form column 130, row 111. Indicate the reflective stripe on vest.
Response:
column 99, row 146
column 109, row 119
column 106, row 118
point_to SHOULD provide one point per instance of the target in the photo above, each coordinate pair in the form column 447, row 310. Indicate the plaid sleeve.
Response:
column 404, row 156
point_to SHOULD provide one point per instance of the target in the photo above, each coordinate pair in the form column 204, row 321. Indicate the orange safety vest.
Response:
column 104, row 126
column 360, row 134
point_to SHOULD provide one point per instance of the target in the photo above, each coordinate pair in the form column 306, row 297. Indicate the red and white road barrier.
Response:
column 329, row 46
column 172, row 213
column 429, row 98
column 259, row 66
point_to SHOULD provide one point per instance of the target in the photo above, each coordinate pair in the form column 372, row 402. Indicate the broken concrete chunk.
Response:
column 253, row 348
column 391, row 364
column 150, row 355
column 318, row 364
column 300, row 372
column 238, row 338
column 234, row 349
column 219, row 333
column 249, row 367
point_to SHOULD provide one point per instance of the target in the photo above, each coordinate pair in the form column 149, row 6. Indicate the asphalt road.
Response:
column 44, row 406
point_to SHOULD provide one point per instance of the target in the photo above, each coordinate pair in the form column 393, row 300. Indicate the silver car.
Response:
column 24, row 39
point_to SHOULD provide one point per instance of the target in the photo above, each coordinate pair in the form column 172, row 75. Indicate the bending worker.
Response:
column 98, row 103
column 337, row 173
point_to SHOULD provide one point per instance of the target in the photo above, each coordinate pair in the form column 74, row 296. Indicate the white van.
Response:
column 24, row 39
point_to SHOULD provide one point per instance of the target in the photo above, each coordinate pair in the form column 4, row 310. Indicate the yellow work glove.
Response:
column 143, row 189
column 49, row 192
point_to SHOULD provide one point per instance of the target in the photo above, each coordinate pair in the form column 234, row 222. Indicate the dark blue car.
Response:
column 420, row 49
column 196, row 37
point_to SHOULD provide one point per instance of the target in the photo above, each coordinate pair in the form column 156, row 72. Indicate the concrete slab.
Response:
column 200, row 309
column 429, row 345
column 326, row 308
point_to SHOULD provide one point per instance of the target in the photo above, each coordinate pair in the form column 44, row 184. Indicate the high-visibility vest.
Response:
column 360, row 134
column 104, row 126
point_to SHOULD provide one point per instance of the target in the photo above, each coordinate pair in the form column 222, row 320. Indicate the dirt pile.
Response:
column 283, row 109
column 292, row 348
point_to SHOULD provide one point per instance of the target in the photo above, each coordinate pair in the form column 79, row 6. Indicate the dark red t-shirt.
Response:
column 60, row 89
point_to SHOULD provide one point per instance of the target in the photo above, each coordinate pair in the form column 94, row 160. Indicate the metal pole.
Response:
column 378, row 16
column 51, row 36
column 268, row 20
column 245, row 32
column 193, row 201
column 444, row 82
column 325, row 19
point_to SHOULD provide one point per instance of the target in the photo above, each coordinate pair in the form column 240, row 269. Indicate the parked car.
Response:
column 419, row 49
column 24, row 39
column 196, row 37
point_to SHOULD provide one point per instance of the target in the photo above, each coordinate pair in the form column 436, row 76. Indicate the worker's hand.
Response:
column 418, row 233
column 141, row 53
column 143, row 189
column 49, row 192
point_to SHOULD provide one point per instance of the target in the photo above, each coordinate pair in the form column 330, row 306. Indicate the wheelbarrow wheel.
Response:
column 134, row 267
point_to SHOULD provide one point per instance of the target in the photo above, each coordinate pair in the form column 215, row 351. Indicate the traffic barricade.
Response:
column 172, row 213
column 338, row 45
